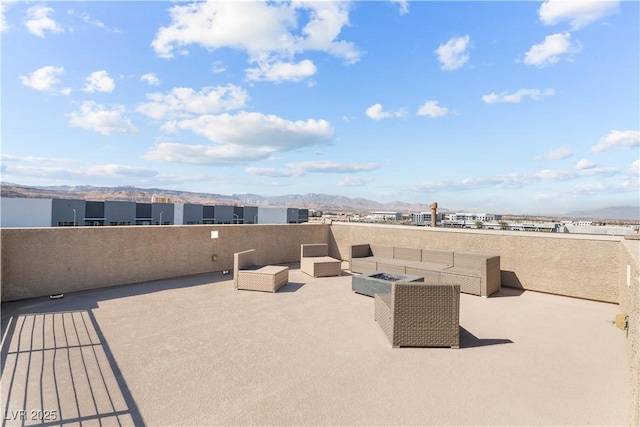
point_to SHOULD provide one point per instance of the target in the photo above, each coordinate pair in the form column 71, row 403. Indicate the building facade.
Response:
column 31, row 212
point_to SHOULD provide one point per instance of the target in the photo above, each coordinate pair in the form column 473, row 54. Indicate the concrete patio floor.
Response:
column 195, row 351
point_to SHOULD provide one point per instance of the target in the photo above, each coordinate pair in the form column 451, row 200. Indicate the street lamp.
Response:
column 74, row 217
column 237, row 218
column 161, row 217
column 255, row 219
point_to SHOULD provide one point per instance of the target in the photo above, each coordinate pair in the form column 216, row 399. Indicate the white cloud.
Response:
column 182, row 102
column 551, row 50
column 354, row 181
column 518, row 180
column 282, row 71
column 326, row 166
column 151, row 79
column 44, row 78
column 634, row 169
column 84, row 172
column 269, row 33
column 96, row 117
column 516, row 97
column 99, row 81
column 453, row 54
column 273, row 172
column 96, row 23
column 35, row 159
column 578, row 13
column 257, row 130
column 585, row 164
column 559, row 153
column 432, row 109
column 581, row 170
column 375, row 113
column 618, row 139
column 304, row 168
column 218, row 67
column 404, row 6
column 240, row 138
column 229, row 154
column 37, row 21
column 508, row 181
column 4, row 26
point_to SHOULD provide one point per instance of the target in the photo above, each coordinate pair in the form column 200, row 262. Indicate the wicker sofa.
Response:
column 247, row 275
column 475, row 274
column 315, row 261
column 420, row 315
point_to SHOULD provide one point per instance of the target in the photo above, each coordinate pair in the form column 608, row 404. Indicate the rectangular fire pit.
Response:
column 379, row 282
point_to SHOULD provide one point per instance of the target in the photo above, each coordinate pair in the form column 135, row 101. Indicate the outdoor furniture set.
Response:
column 416, row 291
column 476, row 274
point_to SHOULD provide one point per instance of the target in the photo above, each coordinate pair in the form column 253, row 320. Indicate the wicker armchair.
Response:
column 247, row 275
column 420, row 315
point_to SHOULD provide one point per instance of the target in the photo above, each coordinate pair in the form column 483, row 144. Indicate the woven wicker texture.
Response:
column 249, row 276
column 383, row 313
column 422, row 315
column 266, row 279
column 314, row 261
column 437, row 257
column 430, row 276
column 321, row 266
column 468, row 284
column 363, row 265
column 408, row 254
column 383, row 251
column 314, row 249
column 391, row 267
column 242, row 260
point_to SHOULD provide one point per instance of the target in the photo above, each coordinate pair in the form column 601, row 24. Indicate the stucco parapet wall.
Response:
column 581, row 266
column 51, row 260
column 630, row 305
column 535, row 234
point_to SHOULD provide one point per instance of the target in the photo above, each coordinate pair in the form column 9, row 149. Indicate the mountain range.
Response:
column 324, row 202
column 316, row 201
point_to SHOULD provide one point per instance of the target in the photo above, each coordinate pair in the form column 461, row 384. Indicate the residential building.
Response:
column 423, row 218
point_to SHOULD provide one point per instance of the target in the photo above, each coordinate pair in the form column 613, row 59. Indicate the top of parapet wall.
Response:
column 537, row 234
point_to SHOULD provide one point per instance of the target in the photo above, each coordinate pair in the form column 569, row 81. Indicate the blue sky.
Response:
column 505, row 107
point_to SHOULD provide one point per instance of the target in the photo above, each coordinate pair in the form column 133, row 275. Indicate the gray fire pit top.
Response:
column 379, row 282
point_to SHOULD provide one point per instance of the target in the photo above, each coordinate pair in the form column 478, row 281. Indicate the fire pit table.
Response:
column 379, row 282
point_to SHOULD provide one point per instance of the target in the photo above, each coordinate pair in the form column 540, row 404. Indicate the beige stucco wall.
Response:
column 573, row 265
column 630, row 304
column 43, row 261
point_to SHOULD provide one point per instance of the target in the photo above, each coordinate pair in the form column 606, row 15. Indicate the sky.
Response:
column 515, row 107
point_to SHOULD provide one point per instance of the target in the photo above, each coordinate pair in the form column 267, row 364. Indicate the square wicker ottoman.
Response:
column 269, row 278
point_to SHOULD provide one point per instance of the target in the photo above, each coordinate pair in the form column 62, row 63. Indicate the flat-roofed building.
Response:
column 67, row 212
column 119, row 213
column 224, row 214
column 162, row 213
column 94, row 212
column 250, row 214
column 192, row 214
column 25, row 212
column 278, row 215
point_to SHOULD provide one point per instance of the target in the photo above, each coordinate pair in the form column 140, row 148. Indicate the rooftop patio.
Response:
column 195, row 351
